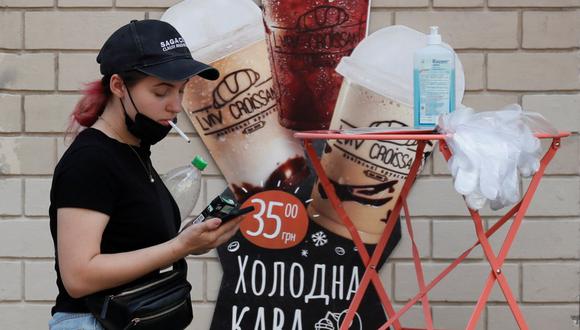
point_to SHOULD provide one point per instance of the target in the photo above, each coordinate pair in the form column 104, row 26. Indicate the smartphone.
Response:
column 224, row 208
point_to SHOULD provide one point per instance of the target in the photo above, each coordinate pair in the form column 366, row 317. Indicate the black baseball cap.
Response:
column 153, row 47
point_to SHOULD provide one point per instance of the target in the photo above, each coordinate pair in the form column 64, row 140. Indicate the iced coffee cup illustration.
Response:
column 306, row 40
column 236, row 116
column 368, row 175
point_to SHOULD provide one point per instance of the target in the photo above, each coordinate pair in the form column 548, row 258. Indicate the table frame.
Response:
column 495, row 261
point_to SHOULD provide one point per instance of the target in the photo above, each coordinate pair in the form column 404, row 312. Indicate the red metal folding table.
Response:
column 495, row 261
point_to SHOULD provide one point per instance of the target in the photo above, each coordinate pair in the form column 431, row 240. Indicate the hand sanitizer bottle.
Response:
column 433, row 81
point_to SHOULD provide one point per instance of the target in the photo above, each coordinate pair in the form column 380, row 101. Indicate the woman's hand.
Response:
column 202, row 237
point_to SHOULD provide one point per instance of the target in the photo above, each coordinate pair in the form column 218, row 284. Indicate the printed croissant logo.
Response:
column 321, row 17
column 394, row 124
column 233, row 85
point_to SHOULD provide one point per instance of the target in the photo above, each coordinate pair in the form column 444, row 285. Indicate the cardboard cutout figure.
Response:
column 292, row 265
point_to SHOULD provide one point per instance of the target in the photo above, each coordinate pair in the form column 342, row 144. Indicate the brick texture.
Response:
column 454, row 317
column 11, row 114
column 421, row 232
column 463, row 238
column 557, row 197
column 487, row 29
column 533, row 71
column 203, row 314
column 560, row 110
column 21, row 155
column 36, row 197
column 551, row 29
column 533, row 3
column 551, row 282
column 85, row 3
column 458, row 3
column 35, row 244
column 76, row 70
column 11, row 21
column 11, row 196
column 27, row 71
column 464, row 284
column 39, row 281
column 537, row 317
column 195, row 277
column 542, row 239
column 413, row 318
column 473, row 66
column 25, row 316
column 214, row 280
column 48, row 113
column 10, row 283
column 400, row 3
column 489, row 101
column 379, row 19
column 517, row 51
column 146, row 3
column 52, row 30
column 27, row 3
column 568, row 160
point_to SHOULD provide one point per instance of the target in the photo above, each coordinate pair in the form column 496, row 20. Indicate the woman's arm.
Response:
column 84, row 270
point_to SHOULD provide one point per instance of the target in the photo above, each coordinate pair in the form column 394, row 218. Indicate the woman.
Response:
column 112, row 219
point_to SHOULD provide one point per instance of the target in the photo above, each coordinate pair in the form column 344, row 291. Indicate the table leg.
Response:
column 418, row 270
column 496, row 262
column 337, row 204
column 496, row 275
column 370, row 273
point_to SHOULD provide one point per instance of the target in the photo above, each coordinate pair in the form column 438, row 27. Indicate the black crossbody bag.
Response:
column 163, row 302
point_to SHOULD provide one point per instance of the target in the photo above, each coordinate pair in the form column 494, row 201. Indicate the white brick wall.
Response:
column 53, row 30
column 39, row 281
column 551, row 29
column 533, row 71
column 11, row 287
column 11, row 114
column 467, row 29
column 75, row 70
column 516, row 51
column 11, row 196
column 27, row 71
column 11, row 21
column 48, row 113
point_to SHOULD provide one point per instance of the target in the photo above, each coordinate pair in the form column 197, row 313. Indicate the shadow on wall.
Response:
column 6, row 75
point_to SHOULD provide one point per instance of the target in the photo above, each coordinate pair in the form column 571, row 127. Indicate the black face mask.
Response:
column 146, row 129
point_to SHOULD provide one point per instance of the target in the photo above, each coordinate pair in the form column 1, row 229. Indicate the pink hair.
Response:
column 88, row 108
column 91, row 105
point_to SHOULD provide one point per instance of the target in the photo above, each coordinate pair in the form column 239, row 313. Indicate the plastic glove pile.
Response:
column 491, row 150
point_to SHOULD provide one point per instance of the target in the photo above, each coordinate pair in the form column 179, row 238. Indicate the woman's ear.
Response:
column 117, row 86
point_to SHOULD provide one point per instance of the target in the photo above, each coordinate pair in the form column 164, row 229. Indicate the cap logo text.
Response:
column 172, row 43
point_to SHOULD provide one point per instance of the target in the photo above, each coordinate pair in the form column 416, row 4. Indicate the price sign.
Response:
column 279, row 220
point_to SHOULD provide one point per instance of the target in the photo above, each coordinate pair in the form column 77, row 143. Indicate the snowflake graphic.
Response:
column 319, row 238
column 304, row 253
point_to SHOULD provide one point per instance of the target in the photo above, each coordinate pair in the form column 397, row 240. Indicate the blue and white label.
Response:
column 434, row 80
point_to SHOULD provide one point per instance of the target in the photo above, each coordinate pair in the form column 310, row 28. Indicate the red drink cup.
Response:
column 306, row 40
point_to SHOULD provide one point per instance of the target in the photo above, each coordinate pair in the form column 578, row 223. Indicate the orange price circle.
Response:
column 279, row 220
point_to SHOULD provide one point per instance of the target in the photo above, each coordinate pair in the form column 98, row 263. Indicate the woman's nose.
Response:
column 175, row 104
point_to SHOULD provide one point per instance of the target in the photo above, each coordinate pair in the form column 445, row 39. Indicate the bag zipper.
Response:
column 126, row 293
column 137, row 320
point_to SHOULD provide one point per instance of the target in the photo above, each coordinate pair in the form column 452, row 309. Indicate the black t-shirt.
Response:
column 105, row 175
